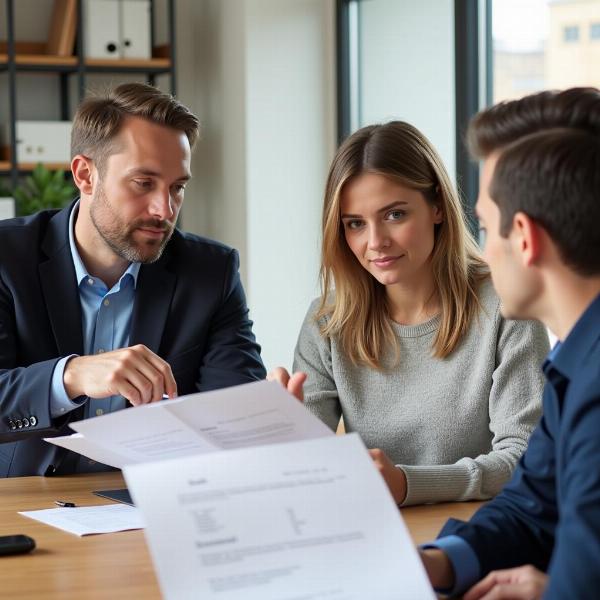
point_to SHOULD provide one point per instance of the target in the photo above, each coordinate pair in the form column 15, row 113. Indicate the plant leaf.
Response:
column 43, row 189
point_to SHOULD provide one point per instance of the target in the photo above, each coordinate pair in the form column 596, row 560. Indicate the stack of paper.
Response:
column 89, row 520
column 247, row 415
column 247, row 496
column 311, row 520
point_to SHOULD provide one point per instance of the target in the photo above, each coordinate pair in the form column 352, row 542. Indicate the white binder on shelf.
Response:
column 135, row 29
column 7, row 207
column 117, row 29
column 41, row 141
column 101, row 28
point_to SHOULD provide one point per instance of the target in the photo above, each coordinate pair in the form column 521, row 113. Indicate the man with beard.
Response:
column 106, row 304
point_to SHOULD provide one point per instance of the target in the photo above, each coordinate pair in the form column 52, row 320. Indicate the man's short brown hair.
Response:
column 99, row 119
column 548, row 167
column 505, row 122
column 553, row 176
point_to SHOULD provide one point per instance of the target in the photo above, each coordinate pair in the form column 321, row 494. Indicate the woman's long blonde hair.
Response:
column 357, row 313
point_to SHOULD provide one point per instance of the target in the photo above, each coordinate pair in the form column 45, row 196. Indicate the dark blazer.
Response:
column 189, row 308
column 549, row 513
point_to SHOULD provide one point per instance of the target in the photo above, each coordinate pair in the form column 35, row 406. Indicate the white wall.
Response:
column 407, row 68
column 265, row 95
column 290, row 142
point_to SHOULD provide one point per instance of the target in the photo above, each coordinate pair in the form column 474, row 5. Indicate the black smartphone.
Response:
column 16, row 544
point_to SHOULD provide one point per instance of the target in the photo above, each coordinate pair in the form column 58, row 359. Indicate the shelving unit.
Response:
column 26, row 166
column 17, row 56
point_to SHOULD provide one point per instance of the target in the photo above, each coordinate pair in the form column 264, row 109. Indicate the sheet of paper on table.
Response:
column 311, row 520
column 247, row 415
column 90, row 520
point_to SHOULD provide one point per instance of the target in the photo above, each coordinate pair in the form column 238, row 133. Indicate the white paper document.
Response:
column 88, row 520
column 308, row 520
column 252, row 414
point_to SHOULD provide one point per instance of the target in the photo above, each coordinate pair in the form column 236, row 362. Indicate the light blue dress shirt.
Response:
column 105, row 324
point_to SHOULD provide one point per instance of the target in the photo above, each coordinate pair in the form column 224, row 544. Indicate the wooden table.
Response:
column 116, row 565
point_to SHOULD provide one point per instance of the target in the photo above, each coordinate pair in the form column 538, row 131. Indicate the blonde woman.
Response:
column 407, row 342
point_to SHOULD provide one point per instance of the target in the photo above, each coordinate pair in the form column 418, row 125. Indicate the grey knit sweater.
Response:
column 456, row 426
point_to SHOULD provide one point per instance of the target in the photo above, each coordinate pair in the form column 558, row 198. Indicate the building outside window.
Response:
column 548, row 47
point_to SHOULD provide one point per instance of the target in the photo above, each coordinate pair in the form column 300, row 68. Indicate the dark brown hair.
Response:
column 553, row 176
column 499, row 125
column 546, row 173
column 98, row 119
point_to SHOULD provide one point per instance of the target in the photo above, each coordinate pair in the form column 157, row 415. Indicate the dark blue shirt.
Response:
column 548, row 515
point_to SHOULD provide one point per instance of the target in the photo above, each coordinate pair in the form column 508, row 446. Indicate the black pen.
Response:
column 64, row 504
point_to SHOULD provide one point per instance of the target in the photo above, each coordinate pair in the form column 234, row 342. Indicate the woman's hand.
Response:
column 394, row 477
column 293, row 384
column 522, row 583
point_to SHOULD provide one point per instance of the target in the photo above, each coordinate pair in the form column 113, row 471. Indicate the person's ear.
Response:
column 438, row 214
column 526, row 238
column 83, row 170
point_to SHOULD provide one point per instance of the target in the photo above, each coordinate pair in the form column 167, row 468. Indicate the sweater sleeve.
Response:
column 514, row 409
column 313, row 356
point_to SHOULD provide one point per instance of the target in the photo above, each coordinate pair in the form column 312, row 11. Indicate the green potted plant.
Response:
column 43, row 189
column 4, row 190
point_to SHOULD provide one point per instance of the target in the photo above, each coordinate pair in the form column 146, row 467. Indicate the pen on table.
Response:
column 64, row 504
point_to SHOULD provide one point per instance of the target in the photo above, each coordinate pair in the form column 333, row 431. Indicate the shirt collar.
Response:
column 80, row 270
column 568, row 356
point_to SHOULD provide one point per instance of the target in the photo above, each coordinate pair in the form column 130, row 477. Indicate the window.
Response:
column 400, row 65
column 407, row 60
column 539, row 49
column 436, row 63
column 571, row 33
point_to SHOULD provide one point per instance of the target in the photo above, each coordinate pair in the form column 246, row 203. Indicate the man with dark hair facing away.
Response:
column 539, row 206
column 105, row 303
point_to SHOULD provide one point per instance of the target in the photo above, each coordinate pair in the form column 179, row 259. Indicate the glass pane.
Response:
column 406, row 68
column 544, row 44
